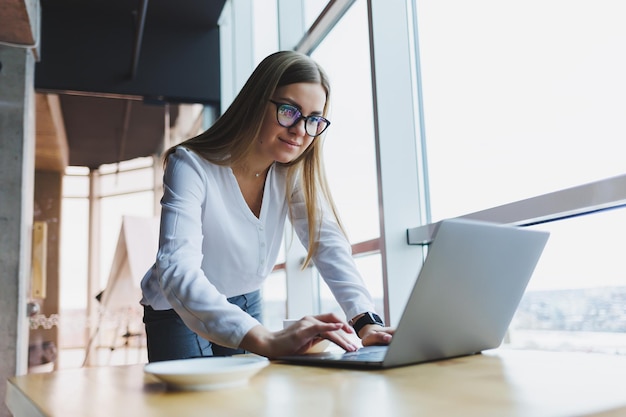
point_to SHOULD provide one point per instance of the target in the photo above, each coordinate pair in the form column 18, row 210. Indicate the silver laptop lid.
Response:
column 467, row 291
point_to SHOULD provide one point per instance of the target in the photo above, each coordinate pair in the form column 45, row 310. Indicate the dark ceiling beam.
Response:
column 176, row 61
column 122, row 70
column 141, row 24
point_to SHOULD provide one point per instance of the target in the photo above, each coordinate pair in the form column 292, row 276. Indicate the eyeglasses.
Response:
column 289, row 116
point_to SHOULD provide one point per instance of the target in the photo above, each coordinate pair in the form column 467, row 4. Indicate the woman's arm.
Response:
column 333, row 259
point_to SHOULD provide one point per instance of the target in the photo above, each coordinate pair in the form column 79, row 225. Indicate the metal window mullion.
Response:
column 423, row 174
column 327, row 19
column 236, row 48
column 396, row 150
column 605, row 194
column 93, row 262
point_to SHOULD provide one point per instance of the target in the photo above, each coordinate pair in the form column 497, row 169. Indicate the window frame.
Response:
column 405, row 214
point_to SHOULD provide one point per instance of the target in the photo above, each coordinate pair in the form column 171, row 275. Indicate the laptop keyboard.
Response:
column 367, row 354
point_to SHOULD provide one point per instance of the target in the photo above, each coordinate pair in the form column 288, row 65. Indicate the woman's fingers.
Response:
column 333, row 318
column 340, row 339
column 377, row 335
column 325, row 326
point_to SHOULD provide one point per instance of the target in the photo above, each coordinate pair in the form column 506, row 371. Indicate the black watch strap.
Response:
column 367, row 318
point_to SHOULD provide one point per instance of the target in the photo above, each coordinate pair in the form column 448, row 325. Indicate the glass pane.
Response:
column 275, row 300
column 370, row 267
column 73, row 268
column 349, row 142
column 126, row 181
column 76, row 186
column 112, row 211
column 520, row 99
column 265, row 15
column 73, row 253
column 312, row 9
column 136, row 163
column 576, row 300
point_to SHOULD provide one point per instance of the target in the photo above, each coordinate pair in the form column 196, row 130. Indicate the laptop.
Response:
column 462, row 302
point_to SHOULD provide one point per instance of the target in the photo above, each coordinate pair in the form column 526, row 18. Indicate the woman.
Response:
column 227, row 193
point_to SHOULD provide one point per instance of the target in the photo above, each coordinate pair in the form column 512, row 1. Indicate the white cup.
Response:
column 318, row 347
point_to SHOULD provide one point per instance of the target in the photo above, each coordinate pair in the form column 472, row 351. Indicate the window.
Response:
column 349, row 144
column 74, row 238
column 576, row 299
column 521, row 100
column 124, row 189
column 349, row 149
column 312, row 9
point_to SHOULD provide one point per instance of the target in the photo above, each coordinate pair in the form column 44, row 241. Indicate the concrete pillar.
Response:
column 17, row 156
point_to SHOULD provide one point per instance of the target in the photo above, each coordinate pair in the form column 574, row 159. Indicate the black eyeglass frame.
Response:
column 301, row 117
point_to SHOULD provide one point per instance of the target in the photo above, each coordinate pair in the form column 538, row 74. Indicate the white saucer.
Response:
column 207, row 373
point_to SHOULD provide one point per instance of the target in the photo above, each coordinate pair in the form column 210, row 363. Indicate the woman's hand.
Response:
column 299, row 337
column 373, row 334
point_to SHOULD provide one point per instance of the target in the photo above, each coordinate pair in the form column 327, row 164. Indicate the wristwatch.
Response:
column 365, row 319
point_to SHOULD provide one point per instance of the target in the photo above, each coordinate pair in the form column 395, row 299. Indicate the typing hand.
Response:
column 299, row 337
column 374, row 334
column 338, row 334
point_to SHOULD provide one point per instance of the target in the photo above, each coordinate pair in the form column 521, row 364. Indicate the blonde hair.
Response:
column 232, row 137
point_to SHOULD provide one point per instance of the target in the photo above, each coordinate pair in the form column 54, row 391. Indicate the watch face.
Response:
column 367, row 318
column 377, row 318
column 374, row 318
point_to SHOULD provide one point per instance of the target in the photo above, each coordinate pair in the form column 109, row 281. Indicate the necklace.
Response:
column 248, row 173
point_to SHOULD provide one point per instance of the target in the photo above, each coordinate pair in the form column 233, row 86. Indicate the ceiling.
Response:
column 111, row 74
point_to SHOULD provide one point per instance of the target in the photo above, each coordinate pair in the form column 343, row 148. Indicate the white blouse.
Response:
column 212, row 246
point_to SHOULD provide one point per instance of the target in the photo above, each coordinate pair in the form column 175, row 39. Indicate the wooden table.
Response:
column 497, row 383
